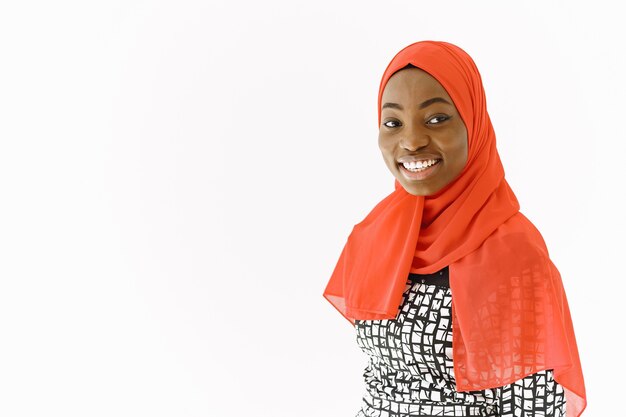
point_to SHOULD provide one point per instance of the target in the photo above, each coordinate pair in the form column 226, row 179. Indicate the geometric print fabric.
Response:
column 410, row 370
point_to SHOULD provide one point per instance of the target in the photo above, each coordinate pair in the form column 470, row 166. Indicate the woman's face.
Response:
column 420, row 124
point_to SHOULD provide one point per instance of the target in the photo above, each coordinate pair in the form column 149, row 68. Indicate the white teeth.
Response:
column 419, row 165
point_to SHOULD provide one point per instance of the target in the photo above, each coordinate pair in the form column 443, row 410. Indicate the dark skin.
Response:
column 414, row 126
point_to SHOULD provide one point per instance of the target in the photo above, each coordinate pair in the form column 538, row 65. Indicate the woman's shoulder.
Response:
column 518, row 235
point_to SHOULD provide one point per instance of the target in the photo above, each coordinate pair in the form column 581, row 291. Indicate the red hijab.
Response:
column 510, row 314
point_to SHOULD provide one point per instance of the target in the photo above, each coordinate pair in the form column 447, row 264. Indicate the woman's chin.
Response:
column 416, row 189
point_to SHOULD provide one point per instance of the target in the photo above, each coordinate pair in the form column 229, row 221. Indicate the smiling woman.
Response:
column 449, row 287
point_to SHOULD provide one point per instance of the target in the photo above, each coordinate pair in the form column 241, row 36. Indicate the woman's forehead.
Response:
column 411, row 82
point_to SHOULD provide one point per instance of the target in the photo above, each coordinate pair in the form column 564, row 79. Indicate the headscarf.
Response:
column 510, row 315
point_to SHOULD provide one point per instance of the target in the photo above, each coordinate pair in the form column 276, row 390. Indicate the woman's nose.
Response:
column 414, row 139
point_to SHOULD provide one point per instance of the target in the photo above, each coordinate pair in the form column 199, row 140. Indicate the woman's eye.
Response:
column 387, row 123
column 437, row 119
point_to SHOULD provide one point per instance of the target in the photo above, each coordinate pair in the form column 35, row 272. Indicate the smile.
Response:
column 419, row 165
column 419, row 170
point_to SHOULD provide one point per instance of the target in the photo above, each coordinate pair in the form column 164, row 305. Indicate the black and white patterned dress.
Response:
column 410, row 370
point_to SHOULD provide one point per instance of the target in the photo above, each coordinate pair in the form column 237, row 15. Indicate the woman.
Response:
column 450, row 288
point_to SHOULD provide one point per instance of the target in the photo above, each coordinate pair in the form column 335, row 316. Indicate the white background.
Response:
column 177, row 180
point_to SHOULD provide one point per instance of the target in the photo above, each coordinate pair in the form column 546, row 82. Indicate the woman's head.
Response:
column 431, row 106
column 422, row 137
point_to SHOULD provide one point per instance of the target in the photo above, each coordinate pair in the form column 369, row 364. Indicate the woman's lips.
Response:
column 421, row 174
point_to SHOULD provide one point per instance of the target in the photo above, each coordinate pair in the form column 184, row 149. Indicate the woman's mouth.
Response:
column 419, row 170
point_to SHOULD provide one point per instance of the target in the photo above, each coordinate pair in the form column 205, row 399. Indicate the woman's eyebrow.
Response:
column 421, row 106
